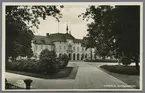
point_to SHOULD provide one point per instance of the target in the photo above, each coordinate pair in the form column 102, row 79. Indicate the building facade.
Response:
column 62, row 43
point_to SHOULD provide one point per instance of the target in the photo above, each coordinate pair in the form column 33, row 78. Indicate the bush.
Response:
column 125, row 61
column 27, row 60
column 63, row 59
column 34, row 67
column 22, row 66
column 48, row 66
column 102, row 60
column 48, row 62
column 46, row 53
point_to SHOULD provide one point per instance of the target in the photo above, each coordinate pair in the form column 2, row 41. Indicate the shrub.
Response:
column 48, row 66
column 27, row 60
column 22, row 66
column 63, row 59
column 125, row 61
column 47, row 53
column 48, row 62
column 102, row 60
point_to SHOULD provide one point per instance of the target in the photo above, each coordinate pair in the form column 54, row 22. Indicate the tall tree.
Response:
column 117, row 28
column 20, row 20
column 100, row 28
column 127, row 32
column 88, row 43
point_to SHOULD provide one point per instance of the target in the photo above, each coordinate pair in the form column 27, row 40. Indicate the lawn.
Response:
column 121, row 69
column 129, row 79
column 66, row 73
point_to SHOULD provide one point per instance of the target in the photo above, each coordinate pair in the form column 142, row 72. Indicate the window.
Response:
column 52, row 48
column 60, row 48
column 48, row 47
column 69, row 47
column 41, row 47
column 36, row 47
column 64, row 47
column 82, row 48
column 73, row 48
column 78, row 48
column 55, row 48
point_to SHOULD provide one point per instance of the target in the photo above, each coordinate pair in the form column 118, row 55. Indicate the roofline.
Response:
column 42, row 44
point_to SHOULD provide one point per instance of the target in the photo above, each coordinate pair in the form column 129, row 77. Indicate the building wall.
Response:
column 62, row 47
column 37, row 48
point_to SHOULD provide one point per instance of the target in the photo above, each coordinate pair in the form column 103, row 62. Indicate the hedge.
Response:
column 102, row 60
column 47, row 64
column 128, row 70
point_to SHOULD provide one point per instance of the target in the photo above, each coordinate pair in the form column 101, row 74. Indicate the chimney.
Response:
column 47, row 34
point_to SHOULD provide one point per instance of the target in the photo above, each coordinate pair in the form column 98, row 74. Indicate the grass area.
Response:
column 102, row 60
column 129, row 79
column 128, row 70
column 66, row 73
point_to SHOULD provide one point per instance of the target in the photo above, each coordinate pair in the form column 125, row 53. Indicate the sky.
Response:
column 77, row 26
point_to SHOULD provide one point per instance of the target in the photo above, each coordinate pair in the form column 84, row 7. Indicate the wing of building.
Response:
column 62, row 43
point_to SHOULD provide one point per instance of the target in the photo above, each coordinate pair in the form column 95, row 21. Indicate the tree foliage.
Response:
column 125, row 61
column 127, row 31
column 48, row 54
column 115, row 29
column 20, row 20
column 99, row 29
column 64, row 59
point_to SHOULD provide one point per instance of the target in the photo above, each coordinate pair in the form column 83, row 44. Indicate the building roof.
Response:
column 78, row 40
column 57, row 37
column 60, row 37
column 42, row 40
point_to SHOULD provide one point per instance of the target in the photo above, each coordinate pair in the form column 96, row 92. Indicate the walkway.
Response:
column 89, row 76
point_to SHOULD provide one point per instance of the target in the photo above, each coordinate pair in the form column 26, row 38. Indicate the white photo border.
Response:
column 4, row 4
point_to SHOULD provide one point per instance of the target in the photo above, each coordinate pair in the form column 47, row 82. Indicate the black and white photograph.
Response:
column 72, row 46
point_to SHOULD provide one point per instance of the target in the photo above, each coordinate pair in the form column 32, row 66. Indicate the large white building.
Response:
column 62, row 43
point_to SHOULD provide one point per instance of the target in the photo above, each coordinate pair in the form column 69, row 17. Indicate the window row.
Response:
column 42, row 47
column 71, row 48
column 60, row 48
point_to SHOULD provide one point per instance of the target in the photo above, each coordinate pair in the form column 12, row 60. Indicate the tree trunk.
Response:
column 103, row 57
column 95, row 56
column 91, row 53
column 137, row 66
column 13, row 59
